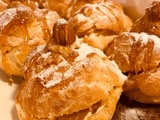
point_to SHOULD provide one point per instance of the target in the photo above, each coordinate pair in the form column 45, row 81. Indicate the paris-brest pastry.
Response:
column 68, row 80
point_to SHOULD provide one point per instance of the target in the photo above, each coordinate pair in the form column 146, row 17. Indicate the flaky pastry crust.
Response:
column 150, row 21
column 100, row 23
column 22, row 29
column 65, row 81
column 3, row 5
column 138, row 56
column 66, row 8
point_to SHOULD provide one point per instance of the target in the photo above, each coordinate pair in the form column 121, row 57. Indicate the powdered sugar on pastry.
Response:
column 80, row 61
column 144, row 38
column 63, row 81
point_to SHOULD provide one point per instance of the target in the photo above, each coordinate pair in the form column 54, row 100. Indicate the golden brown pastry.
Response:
column 138, row 56
column 100, row 23
column 66, row 8
column 22, row 29
column 30, row 3
column 150, row 21
column 3, row 5
column 1, row 59
column 64, row 80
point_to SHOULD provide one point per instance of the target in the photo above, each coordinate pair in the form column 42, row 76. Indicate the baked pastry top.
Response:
column 150, row 21
column 66, row 79
column 21, row 29
column 65, row 8
column 74, row 79
column 138, row 56
column 100, row 23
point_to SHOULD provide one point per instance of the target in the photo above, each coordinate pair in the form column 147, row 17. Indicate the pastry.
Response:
column 22, row 29
column 150, row 21
column 100, row 23
column 3, row 5
column 138, row 57
column 66, row 8
column 1, row 59
column 68, row 80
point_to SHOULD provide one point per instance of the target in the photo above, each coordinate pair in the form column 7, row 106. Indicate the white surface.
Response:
column 7, row 98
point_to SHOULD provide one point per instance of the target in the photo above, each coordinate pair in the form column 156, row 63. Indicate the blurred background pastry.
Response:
column 66, row 8
column 22, row 29
column 138, row 57
column 64, row 80
column 134, row 8
column 150, row 21
column 99, row 23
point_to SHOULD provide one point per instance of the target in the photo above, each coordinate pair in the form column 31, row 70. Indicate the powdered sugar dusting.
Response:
column 132, row 114
column 61, row 21
column 45, row 56
column 57, row 78
column 144, row 37
column 64, row 69
column 7, row 17
column 37, row 50
column 60, row 76
column 46, row 72
column 10, row 14
column 69, row 72
column 64, row 63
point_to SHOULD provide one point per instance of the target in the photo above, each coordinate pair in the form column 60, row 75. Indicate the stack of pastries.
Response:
column 64, row 77
column 27, row 24
column 78, row 57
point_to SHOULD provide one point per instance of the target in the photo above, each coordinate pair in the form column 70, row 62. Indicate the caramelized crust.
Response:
column 138, row 56
column 66, row 8
column 100, row 23
column 22, row 28
column 3, row 5
column 59, row 88
column 68, row 82
column 150, row 21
